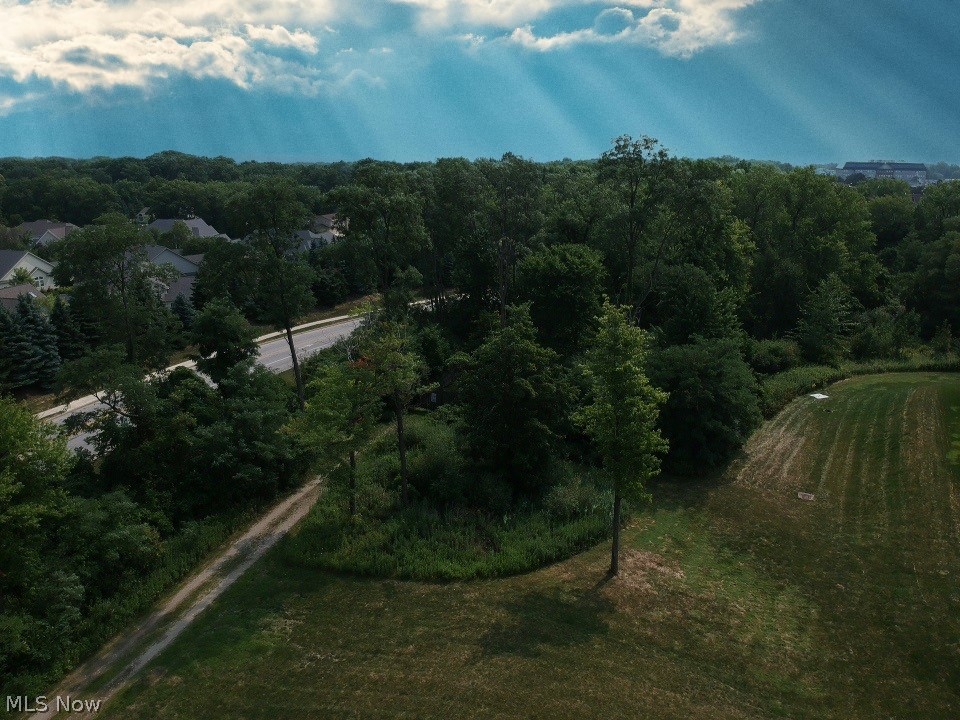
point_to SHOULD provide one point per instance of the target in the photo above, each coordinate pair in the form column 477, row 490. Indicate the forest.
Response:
column 590, row 328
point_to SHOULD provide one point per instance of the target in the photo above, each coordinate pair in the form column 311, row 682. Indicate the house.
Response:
column 913, row 173
column 308, row 240
column 160, row 255
column 182, row 286
column 40, row 270
column 10, row 295
column 143, row 216
column 44, row 232
column 328, row 227
column 198, row 226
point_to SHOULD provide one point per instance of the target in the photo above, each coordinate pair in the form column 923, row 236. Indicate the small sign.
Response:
column 809, row 497
column 819, row 396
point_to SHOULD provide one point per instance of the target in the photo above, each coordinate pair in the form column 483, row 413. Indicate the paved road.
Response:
column 274, row 355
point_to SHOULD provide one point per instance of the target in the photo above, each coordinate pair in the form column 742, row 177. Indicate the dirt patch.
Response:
column 642, row 570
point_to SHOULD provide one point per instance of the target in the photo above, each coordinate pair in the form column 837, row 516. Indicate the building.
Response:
column 40, row 270
column 913, row 173
column 44, row 232
column 10, row 295
column 327, row 227
column 143, row 216
column 186, row 266
column 198, row 226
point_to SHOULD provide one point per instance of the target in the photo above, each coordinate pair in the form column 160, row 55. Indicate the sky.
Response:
column 801, row 81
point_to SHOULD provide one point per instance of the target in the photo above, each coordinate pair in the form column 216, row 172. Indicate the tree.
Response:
column 343, row 404
column 563, row 284
column 183, row 310
column 284, row 279
column 621, row 415
column 515, row 398
column 399, row 374
column 823, row 332
column 223, row 338
column 21, row 276
column 635, row 170
column 712, row 405
column 118, row 289
column 72, row 340
column 34, row 353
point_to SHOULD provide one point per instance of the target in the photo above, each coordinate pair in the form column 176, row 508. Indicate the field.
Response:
column 737, row 600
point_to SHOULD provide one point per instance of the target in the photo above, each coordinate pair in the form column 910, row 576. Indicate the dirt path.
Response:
column 125, row 656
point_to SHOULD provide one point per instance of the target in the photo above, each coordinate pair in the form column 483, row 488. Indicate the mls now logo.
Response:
column 60, row 703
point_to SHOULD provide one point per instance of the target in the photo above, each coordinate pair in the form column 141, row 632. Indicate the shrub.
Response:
column 768, row 357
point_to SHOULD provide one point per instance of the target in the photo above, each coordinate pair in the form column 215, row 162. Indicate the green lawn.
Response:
column 737, row 600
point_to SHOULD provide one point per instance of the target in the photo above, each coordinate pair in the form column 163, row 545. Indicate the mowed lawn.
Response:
column 738, row 600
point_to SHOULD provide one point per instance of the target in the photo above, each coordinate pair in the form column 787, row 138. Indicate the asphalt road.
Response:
column 274, row 355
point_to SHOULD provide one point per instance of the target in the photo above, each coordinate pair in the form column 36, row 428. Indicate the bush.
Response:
column 768, row 357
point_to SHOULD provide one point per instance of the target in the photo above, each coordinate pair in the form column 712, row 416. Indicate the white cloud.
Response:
column 89, row 44
column 678, row 28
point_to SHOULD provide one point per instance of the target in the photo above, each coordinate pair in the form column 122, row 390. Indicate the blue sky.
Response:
column 796, row 80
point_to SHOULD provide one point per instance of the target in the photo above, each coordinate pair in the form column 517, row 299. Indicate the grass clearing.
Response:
column 737, row 599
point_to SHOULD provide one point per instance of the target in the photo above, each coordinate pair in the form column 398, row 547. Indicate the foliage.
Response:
column 712, row 404
column 223, row 339
column 826, row 322
column 514, row 401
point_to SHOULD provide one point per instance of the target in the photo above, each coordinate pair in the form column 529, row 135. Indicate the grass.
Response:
column 736, row 600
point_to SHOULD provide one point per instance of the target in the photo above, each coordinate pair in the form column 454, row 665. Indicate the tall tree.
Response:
column 36, row 359
column 115, row 286
column 284, row 278
column 343, row 404
column 223, row 338
column 399, row 373
column 621, row 416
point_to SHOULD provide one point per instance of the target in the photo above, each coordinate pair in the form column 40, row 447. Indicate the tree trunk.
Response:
column 301, row 395
column 615, row 551
column 402, row 445
column 353, row 483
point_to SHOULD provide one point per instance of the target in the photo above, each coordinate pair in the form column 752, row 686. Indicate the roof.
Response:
column 9, row 259
column 198, row 226
column 915, row 167
column 38, row 227
column 10, row 295
column 195, row 259
column 180, row 286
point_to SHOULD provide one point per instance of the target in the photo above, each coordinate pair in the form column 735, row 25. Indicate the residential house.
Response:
column 44, row 232
column 40, row 270
column 328, row 227
column 186, row 265
column 198, row 226
column 10, row 295
column 143, row 216
column 308, row 240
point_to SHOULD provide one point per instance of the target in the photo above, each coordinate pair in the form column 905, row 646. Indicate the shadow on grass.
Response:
column 544, row 620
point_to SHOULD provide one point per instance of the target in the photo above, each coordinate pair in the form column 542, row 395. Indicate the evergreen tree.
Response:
column 72, row 341
column 36, row 359
column 183, row 310
column 8, row 331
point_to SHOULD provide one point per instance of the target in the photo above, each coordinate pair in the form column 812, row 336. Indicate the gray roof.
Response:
column 38, row 227
column 180, row 286
column 198, row 226
column 195, row 259
column 9, row 258
column 913, row 167
column 10, row 295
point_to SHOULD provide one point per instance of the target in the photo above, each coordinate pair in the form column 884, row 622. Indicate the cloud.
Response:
column 678, row 28
column 84, row 45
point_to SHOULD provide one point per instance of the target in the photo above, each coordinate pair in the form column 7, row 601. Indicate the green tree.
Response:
column 36, row 359
column 223, row 339
column 343, row 405
column 399, row 374
column 72, row 340
column 825, row 326
column 563, row 284
column 117, row 289
column 712, row 405
column 183, row 311
column 515, row 400
column 21, row 276
column 621, row 416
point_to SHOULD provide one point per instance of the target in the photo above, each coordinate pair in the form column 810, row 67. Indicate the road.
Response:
column 274, row 355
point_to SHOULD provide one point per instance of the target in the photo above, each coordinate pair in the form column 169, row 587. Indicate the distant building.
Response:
column 143, row 216
column 185, row 265
column 40, row 270
column 913, row 173
column 198, row 226
column 327, row 227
